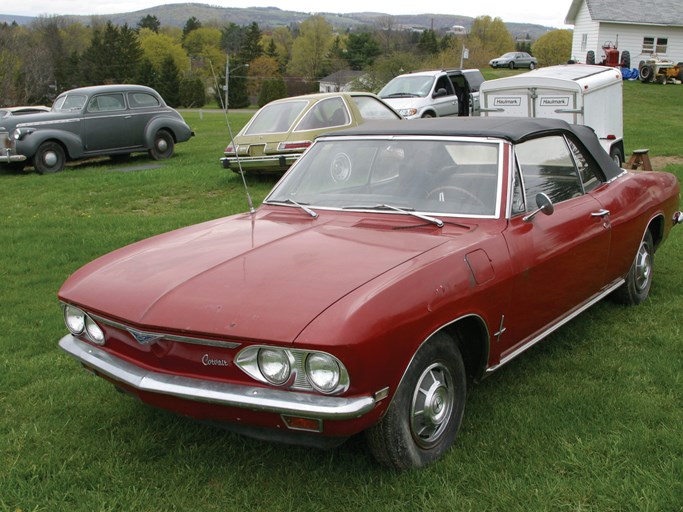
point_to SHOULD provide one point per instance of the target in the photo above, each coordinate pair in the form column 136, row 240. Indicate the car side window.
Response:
column 547, row 166
column 371, row 108
column 588, row 169
column 142, row 100
column 325, row 114
column 107, row 103
column 443, row 82
column 518, row 202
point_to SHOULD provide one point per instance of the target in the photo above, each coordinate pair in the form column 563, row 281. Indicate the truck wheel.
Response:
column 163, row 146
column 49, row 158
column 511, row 65
column 626, row 59
column 426, row 411
column 647, row 73
column 590, row 57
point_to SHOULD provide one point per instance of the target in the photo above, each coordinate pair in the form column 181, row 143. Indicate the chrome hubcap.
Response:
column 643, row 270
column 162, row 145
column 50, row 158
column 432, row 405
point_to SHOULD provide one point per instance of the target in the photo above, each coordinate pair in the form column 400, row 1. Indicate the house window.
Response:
column 584, row 42
column 655, row 45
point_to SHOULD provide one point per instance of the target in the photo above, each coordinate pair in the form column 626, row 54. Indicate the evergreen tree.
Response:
column 251, row 47
column 192, row 92
column 190, row 25
column 272, row 89
column 151, row 22
column 147, row 75
column 169, row 82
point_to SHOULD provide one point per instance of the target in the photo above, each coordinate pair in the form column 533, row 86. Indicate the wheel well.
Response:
column 656, row 229
column 61, row 144
column 472, row 338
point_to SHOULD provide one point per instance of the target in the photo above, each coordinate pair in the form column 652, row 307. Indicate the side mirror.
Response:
column 439, row 93
column 544, row 204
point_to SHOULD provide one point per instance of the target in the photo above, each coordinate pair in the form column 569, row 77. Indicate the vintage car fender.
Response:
column 177, row 127
column 445, row 293
column 31, row 142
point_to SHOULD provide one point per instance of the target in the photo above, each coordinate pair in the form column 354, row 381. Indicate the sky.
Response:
column 543, row 12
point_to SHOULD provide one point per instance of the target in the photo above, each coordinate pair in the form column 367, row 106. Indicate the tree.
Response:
column 361, row 50
column 147, row 74
column 488, row 38
column 272, row 89
column 113, row 55
column 261, row 69
column 151, row 22
column 192, row 93
column 554, row 47
column 311, row 48
column 251, row 47
column 427, row 43
column 157, row 47
column 169, row 82
column 190, row 25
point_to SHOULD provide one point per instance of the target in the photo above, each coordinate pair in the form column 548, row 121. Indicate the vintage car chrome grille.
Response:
column 4, row 137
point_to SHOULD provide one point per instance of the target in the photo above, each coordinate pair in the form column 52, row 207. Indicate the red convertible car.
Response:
column 391, row 266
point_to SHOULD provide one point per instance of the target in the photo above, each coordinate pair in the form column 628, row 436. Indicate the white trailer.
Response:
column 577, row 93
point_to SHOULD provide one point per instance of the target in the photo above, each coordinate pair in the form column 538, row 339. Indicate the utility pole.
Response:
column 227, row 74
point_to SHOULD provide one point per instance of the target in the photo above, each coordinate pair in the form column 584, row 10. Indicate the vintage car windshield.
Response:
column 445, row 176
column 408, row 86
column 69, row 102
column 275, row 117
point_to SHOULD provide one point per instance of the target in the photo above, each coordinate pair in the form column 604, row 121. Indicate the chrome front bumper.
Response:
column 262, row 163
column 9, row 158
column 228, row 395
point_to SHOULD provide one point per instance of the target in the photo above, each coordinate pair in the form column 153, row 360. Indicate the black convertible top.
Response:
column 514, row 129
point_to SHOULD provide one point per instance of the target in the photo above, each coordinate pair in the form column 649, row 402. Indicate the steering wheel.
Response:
column 447, row 190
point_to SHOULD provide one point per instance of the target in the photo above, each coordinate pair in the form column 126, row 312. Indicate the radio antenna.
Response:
column 224, row 107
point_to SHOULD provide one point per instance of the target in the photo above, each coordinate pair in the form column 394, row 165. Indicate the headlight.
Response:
column 74, row 319
column 322, row 371
column 405, row 112
column 274, row 365
column 95, row 333
column 16, row 134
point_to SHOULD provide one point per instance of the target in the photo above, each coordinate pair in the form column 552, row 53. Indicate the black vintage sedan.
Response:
column 114, row 120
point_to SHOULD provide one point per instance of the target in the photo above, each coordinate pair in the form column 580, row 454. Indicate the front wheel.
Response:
column 511, row 65
column 49, row 158
column 532, row 66
column 426, row 411
column 639, row 278
column 163, row 145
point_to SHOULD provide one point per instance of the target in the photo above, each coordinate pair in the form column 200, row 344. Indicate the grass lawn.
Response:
column 589, row 420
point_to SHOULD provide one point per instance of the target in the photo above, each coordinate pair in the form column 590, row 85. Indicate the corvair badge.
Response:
column 209, row 361
column 144, row 338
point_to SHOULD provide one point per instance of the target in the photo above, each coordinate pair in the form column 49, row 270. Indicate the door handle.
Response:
column 600, row 213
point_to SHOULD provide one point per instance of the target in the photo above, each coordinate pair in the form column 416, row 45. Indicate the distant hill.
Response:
column 178, row 14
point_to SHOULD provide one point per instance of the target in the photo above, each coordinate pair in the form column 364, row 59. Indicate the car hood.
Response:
column 265, row 277
column 399, row 103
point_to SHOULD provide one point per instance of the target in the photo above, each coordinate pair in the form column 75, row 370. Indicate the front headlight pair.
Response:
column 79, row 322
column 295, row 369
column 407, row 112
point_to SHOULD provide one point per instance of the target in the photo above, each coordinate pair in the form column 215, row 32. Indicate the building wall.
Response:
column 591, row 35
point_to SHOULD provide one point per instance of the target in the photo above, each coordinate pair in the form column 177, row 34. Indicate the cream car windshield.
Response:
column 440, row 176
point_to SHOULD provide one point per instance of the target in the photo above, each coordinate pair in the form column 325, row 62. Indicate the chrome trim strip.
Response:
column 228, row 395
column 556, row 326
column 169, row 337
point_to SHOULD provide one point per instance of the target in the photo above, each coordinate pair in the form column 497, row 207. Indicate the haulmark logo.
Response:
column 554, row 101
column 507, row 101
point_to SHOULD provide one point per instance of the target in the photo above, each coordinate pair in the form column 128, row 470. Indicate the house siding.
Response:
column 585, row 25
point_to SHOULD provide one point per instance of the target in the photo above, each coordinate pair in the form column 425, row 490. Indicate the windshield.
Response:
column 439, row 176
column 275, row 117
column 411, row 85
column 69, row 102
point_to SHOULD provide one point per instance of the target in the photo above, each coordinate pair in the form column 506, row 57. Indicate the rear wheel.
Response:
column 49, row 158
column 647, row 73
column 426, row 411
column 617, row 156
column 639, row 279
column 626, row 59
column 163, row 146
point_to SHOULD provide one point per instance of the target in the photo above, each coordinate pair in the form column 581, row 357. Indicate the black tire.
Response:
column 511, row 65
column 428, row 114
column 532, row 65
column 426, row 411
column 617, row 155
column 49, row 158
column 647, row 73
column 590, row 57
column 639, row 278
column 163, row 146
column 626, row 59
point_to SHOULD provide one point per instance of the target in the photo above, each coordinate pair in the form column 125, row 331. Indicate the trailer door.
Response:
column 556, row 104
column 507, row 103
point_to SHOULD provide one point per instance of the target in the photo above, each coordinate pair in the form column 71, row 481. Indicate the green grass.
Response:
column 589, row 420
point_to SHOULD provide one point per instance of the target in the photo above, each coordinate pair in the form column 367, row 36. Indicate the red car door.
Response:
column 559, row 260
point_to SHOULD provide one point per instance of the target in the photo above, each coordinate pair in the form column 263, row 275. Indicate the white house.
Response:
column 643, row 27
column 341, row 81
